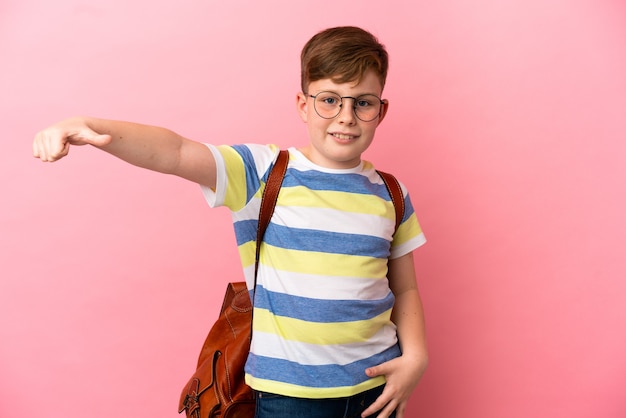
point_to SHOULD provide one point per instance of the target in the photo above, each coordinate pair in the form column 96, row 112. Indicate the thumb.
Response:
column 374, row 371
column 89, row 137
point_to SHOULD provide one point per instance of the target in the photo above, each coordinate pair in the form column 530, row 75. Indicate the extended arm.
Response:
column 150, row 147
column 402, row 373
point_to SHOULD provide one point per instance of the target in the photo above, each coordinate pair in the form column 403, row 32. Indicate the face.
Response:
column 339, row 142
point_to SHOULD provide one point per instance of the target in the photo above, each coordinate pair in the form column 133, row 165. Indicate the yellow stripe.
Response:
column 320, row 333
column 287, row 389
column 324, row 264
column 408, row 230
column 236, row 191
column 247, row 253
column 300, row 196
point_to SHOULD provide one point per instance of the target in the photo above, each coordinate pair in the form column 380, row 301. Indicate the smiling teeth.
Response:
column 342, row 136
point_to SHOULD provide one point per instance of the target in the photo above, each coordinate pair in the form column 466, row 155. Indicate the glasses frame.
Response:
column 354, row 100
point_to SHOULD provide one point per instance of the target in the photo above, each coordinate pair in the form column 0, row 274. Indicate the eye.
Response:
column 328, row 99
column 365, row 101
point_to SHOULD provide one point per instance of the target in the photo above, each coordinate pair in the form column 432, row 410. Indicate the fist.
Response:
column 53, row 143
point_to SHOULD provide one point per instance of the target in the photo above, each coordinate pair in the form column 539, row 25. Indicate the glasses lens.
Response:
column 327, row 104
column 367, row 107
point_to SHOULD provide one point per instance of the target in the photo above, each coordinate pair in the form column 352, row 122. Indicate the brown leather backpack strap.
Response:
column 268, row 201
column 397, row 197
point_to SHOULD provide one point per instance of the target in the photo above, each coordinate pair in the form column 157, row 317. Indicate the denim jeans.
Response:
column 269, row 405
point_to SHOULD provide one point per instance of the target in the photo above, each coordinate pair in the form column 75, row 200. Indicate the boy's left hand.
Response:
column 402, row 375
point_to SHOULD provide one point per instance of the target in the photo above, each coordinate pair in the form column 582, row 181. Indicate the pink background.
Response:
column 507, row 123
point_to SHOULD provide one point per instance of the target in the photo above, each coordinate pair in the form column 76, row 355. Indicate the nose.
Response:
column 347, row 111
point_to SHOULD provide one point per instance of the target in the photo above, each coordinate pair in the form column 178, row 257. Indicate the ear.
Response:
column 302, row 106
column 383, row 110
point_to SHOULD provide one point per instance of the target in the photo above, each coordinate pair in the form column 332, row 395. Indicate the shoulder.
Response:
column 255, row 157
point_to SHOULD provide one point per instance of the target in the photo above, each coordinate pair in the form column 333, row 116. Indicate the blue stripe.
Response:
column 326, row 241
column 245, row 231
column 349, row 183
column 252, row 181
column 321, row 310
column 325, row 376
column 408, row 208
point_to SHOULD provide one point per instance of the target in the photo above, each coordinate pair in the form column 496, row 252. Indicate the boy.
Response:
column 338, row 324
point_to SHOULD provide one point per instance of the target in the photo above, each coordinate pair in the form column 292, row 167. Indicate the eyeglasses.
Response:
column 328, row 105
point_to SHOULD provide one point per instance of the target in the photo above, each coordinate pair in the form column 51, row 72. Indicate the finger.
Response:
column 384, row 412
column 40, row 147
column 380, row 402
column 388, row 411
column 400, row 410
column 63, row 152
column 55, row 149
column 36, row 152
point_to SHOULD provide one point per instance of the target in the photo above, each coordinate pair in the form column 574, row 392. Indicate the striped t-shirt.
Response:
column 322, row 304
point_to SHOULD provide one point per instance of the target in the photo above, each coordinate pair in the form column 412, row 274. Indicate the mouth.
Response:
column 343, row 137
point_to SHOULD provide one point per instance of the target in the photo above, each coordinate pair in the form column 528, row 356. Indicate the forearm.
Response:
column 409, row 319
column 408, row 313
column 150, row 147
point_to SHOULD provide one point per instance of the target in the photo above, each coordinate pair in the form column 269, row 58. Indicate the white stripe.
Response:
column 263, row 156
column 335, row 221
column 216, row 197
column 248, row 274
column 407, row 247
column 249, row 212
column 271, row 345
column 301, row 163
column 322, row 287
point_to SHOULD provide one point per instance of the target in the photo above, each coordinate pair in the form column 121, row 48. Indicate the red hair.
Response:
column 342, row 54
